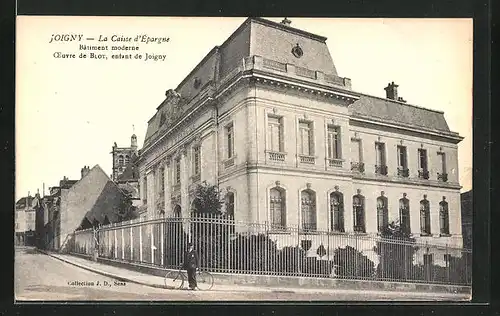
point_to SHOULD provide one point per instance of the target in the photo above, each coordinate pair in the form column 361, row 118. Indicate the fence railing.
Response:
column 227, row 246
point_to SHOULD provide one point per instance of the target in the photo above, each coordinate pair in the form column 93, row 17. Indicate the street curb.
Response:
column 107, row 274
column 124, row 279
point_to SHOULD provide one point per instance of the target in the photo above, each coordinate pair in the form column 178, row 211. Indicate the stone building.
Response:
column 92, row 200
column 267, row 118
column 122, row 156
column 467, row 215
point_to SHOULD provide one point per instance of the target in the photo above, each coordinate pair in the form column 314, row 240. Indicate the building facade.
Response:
column 25, row 218
column 267, row 119
column 90, row 201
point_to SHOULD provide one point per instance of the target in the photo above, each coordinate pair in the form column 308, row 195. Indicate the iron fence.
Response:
column 227, row 246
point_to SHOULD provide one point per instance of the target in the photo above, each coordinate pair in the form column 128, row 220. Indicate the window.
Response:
column 380, row 164
column 382, row 213
column 306, row 146
column 423, row 171
column 127, row 159
column 277, row 208
column 230, row 204
column 334, row 147
column 404, row 214
column 230, row 141
column 308, row 206
column 337, row 212
column 442, row 175
column 358, row 206
column 275, row 126
column 425, row 218
column 177, row 211
column 196, row 160
column 120, row 160
column 444, row 225
column 357, row 156
column 402, row 162
column 17, row 225
column 177, row 173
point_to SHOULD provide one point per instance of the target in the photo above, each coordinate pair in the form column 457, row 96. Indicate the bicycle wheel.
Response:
column 204, row 280
column 174, row 279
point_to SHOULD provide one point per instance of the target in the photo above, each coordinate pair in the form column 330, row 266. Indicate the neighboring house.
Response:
column 20, row 219
column 122, row 156
column 467, row 209
column 49, row 232
column 93, row 200
column 267, row 118
column 25, row 218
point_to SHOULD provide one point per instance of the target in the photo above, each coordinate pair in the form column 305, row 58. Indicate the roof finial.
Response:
column 286, row 21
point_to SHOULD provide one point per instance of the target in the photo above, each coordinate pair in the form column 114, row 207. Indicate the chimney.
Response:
column 286, row 21
column 85, row 170
column 391, row 91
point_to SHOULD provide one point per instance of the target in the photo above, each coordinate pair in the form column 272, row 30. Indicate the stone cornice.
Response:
column 455, row 138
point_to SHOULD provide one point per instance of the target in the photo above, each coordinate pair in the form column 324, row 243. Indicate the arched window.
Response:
column 277, row 208
column 230, row 205
column 308, row 207
column 444, row 220
column 127, row 159
column 337, row 212
column 120, row 160
column 382, row 213
column 358, row 205
column 404, row 214
column 177, row 211
column 425, row 217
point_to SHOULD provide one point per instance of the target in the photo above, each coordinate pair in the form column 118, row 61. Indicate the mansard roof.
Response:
column 273, row 44
column 399, row 113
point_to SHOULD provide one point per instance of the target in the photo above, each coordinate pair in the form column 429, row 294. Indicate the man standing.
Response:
column 191, row 264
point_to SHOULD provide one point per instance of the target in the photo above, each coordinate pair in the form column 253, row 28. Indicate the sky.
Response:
column 70, row 111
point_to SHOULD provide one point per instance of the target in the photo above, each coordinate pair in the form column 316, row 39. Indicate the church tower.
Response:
column 122, row 156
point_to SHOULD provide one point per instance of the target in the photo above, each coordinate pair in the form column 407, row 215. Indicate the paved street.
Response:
column 42, row 277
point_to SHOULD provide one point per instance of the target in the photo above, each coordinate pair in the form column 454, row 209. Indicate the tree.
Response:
column 396, row 250
column 126, row 211
column 207, row 199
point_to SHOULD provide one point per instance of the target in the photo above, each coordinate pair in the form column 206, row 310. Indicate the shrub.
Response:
column 353, row 264
column 253, row 253
column 288, row 259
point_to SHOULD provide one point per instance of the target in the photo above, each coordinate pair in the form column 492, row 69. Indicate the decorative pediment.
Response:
column 171, row 108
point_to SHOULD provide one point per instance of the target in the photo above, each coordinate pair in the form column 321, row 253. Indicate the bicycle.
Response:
column 176, row 279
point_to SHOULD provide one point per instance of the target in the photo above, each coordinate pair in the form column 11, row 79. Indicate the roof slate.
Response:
column 398, row 112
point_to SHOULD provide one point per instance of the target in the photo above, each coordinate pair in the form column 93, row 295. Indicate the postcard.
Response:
column 243, row 159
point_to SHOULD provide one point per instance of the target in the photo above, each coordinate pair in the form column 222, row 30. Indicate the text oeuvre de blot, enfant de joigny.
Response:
column 141, row 47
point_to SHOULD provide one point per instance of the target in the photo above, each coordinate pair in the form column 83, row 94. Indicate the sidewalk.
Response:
column 127, row 275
